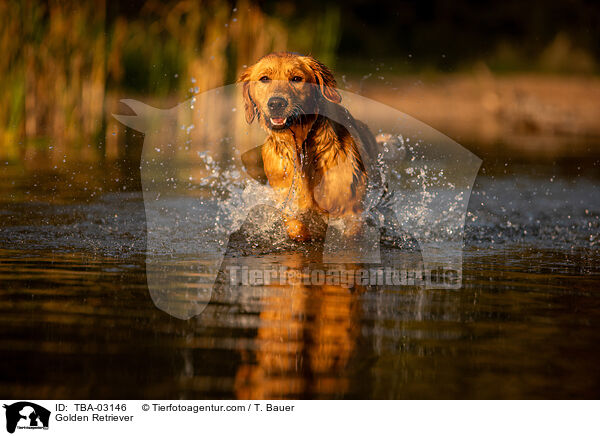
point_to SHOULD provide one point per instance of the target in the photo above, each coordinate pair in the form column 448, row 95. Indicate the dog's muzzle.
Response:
column 277, row 107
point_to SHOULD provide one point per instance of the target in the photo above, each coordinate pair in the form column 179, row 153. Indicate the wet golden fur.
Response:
column 331, row 178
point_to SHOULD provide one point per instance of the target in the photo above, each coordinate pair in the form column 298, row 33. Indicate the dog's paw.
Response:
column 307, row 226
column 353, row 227
column 297, row 231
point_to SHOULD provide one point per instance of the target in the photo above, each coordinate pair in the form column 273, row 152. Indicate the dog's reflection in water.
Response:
column 305, row 329
column 305, row 338
column 308, row 313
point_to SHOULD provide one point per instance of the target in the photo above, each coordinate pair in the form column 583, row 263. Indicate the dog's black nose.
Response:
column 277, row 103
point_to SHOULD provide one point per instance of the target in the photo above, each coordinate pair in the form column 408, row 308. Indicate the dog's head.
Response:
column 282, row 87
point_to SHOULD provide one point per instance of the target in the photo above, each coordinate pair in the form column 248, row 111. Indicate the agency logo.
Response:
column 24, row 415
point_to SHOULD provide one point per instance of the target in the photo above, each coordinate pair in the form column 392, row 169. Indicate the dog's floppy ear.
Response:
column 249, row 105
column 325, row 79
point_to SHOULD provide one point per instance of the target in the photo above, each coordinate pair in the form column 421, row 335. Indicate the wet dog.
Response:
column 311, row 160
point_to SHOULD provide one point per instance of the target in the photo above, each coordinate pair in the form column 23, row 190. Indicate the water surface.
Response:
column 76, row 319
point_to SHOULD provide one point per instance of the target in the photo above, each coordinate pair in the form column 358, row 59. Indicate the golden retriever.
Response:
column 310, row 159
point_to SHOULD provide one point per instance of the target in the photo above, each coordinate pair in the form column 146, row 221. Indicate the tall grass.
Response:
column 53, row 75
column 66, row 63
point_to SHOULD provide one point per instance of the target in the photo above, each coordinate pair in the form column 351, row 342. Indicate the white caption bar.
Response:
column 299, row 417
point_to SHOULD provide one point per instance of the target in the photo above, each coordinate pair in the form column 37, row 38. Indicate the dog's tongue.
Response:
column 278, row 121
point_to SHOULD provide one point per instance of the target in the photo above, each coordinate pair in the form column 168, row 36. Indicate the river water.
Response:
column 77, row 320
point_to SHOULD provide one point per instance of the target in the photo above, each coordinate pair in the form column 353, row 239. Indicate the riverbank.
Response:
column 542, row 116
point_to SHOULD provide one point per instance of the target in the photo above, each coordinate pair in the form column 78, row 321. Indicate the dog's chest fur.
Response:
column 329, row 171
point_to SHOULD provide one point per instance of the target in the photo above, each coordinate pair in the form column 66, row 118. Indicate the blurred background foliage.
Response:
column 65, row 64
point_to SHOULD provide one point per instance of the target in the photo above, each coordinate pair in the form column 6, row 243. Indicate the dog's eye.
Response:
column 296, row 79
column 264, row 79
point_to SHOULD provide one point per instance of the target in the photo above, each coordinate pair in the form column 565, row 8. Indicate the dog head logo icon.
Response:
column 26, row 415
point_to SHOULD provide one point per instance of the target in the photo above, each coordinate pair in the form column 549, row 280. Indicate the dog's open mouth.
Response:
column 278, row 121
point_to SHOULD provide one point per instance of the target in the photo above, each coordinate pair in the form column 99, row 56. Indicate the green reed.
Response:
column 65, row 64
